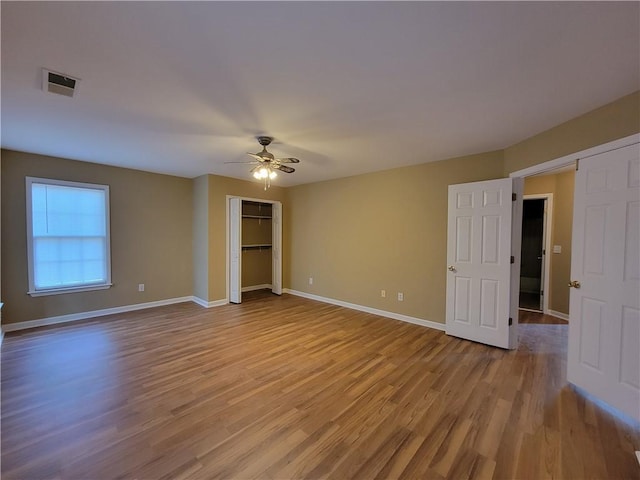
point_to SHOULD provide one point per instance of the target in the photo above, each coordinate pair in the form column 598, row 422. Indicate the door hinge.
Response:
column 577, row 164
column 541, row 293
column 510, row 321
column 544, row 251
column 513, row 197
column 513, row 259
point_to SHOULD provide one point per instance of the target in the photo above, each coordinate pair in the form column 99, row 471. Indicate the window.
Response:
column 67, row 236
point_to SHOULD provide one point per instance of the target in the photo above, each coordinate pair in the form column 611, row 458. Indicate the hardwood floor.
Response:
column 284, row 387
column 525, row 316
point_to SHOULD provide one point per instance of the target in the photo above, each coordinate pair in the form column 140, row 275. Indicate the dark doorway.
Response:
column 532, row 255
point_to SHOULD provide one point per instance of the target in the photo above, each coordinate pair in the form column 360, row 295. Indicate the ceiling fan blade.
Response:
column 246, row 163
column 288, row 160
column 284, row 168
column 256, row 156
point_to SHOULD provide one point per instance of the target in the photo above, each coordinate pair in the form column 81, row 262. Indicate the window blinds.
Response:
column 69, row 234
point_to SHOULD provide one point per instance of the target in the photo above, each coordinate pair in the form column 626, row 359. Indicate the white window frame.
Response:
column 79, row 288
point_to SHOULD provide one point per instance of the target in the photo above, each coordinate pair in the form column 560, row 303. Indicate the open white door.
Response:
column 604, row 325
column 478, row 259
column 276, row 242
column 235, row 250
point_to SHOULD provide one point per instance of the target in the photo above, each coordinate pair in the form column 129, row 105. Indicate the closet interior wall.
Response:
column 256, row 244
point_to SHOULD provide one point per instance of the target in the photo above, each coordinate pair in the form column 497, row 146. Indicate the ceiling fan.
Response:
column 266, row 164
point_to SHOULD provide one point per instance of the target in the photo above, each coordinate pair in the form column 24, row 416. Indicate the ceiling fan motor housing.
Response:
column 264, row 141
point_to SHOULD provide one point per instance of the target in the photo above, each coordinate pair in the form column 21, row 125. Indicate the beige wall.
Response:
column 610, row 122
column 151, row 236
column 256, row 267
column 355, row 235
column 201, row 237
column 385, row 230
column 561, row 186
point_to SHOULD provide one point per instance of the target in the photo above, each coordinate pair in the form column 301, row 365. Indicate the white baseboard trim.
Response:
column 74, row 317
column 205, row 304
column 375, row 311
column 529, row 310
column 560, row 315
column 256, row 287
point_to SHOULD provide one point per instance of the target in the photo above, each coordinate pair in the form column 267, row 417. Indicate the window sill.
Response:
column 59, row 291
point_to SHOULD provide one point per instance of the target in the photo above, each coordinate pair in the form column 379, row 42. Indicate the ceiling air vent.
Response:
column 59, row 83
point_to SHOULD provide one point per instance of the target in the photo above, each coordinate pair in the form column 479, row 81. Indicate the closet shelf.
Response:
column 257, row 245
column 257, row 216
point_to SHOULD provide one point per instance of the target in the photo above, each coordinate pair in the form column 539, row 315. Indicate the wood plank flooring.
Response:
column 284, row 387
column 526, row 316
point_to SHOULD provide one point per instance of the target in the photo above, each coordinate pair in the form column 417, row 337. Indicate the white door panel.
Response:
column 604, row 327
column 276, row 241
column 629, row 371
column 478, row 258
column 235, row 250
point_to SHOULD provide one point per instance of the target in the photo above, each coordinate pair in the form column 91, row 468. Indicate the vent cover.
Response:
column 59, row 83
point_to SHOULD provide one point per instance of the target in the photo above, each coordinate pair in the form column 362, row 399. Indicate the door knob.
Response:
column 574, row 284
column 451, row 268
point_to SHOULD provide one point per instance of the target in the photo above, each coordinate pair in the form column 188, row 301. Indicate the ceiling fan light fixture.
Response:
column 264, row 173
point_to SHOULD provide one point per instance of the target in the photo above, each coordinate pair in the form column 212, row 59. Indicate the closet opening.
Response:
column 254, row 260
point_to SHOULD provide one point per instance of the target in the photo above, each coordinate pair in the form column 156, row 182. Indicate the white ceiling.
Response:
column 349, row 88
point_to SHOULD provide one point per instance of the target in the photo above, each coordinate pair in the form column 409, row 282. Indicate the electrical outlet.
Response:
column 141, row 287
column 400, row 296
column 383, row 293
column 310, row 280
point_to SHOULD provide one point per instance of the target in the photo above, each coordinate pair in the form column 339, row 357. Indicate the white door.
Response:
column 276, row 248
column 478, row 261
column 543, row 257
column 604, row 325
column 235, row 250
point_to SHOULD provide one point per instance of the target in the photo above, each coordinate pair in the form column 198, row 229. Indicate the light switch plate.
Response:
column 557, row 249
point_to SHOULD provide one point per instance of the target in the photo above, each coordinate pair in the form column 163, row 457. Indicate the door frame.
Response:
column 519, row 176
column 548, row 222
column 572, row 157
column 228, row 240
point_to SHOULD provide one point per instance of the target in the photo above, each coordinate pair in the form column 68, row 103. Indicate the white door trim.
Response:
column 548, row 222
column 276, row 248
column 572, row 157
column 516, row 248
column 227, row 236
column 559, row 163
column 234, row 239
